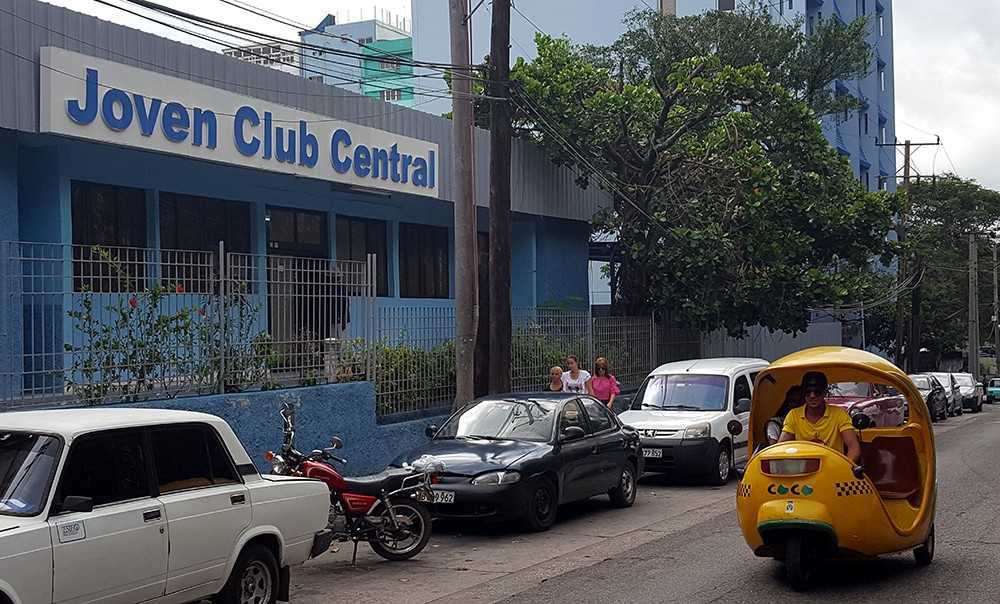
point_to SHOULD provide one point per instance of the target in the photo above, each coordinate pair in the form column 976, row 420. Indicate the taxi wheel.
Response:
column 800, row 561
column 925, row 553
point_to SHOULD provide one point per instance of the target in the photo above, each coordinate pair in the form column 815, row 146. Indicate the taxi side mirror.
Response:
column 430, row 431
column 743, row 405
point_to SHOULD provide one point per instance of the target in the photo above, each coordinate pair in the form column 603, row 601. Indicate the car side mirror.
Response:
column 861, row 421
column 572, row 433
column 336, row 443
column 76, row 503
column 430, row 431
column 735, row 426
column 743, row 405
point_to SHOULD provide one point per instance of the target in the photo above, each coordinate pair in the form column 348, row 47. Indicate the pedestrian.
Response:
column 793, row 398
column 575, row 379
column 555, row 383
column 603, row 385
column 817, row 421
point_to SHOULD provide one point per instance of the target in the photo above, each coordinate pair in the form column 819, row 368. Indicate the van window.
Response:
column 741, row 389
column 684, row 392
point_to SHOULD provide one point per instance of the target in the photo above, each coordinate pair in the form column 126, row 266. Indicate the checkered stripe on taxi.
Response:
column 854, row 487
column 743, row 490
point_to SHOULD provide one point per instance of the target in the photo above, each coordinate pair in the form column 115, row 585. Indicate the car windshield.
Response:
column 684, row 392
column 27, row 462
column 964, row 380
column 995, row 383
column 851, row 390
column 503, row 420
column 921, row 382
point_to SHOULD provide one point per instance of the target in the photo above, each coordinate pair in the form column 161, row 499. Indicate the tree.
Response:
column 730, row 205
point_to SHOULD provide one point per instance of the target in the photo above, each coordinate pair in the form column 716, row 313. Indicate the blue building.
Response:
column 154, row 149
column 859, row 134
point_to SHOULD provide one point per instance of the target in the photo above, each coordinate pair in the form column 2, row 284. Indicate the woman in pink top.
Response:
column 604, row 385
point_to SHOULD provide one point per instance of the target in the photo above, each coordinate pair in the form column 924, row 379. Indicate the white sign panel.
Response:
column 109, row 102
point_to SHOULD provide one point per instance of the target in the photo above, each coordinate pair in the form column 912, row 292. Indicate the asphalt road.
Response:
column 680, row 543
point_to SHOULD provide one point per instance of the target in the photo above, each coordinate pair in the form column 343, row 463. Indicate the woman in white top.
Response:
column 575, row 379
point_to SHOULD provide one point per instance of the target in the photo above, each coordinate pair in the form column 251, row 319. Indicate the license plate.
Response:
column 652, row 452
column 444, row 496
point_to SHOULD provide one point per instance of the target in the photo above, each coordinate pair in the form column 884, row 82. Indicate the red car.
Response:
column 885, row 406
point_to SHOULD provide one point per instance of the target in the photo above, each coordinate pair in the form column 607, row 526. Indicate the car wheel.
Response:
column 925, row 553
column 254, row 579
column 721, row 470
column 542, row 504
column 978, row 406
column 623, row 495
column 960, row 409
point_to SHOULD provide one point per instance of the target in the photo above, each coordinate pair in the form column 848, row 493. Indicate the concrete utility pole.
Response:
column 500, row 217
column 466, row 310
column 996, row 311
column 901, row 276
column 973, row 306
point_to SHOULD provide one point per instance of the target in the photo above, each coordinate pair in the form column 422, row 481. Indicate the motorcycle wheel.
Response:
column 410, row 538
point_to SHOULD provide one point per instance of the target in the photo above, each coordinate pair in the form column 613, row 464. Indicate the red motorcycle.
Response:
column 385, row 510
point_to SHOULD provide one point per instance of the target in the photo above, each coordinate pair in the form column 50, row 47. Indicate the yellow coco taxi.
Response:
column 803, row 501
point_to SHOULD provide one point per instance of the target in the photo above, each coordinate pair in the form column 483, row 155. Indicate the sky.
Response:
column 947, row 66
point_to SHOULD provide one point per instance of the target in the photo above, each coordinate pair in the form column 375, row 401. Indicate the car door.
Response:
column 610, row 442
column 577, row 457
column 116, row 553
column 741, row 442
column 206, row 504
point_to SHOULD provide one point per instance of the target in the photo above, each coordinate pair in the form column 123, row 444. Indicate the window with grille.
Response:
column 391, row 95
column 358, row 237
column 423, row 261
column 112, row 219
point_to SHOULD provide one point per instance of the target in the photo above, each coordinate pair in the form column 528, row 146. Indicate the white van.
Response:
column 682, row 410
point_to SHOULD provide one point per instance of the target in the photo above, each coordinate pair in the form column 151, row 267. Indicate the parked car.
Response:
column 934, row 395
column 520, row 456
column 971, row 392
column 128, row 505
column 992, row 390
column 951, row 389
column 682, row 410
column 885, row 406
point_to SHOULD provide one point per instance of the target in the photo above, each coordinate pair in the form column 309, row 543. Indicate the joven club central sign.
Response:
column 109, row 102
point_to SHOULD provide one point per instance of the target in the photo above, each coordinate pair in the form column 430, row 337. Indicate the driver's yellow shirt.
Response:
column 827, row 430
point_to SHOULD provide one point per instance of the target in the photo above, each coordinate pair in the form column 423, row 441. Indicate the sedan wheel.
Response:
column 541, row 506
column 623, row 496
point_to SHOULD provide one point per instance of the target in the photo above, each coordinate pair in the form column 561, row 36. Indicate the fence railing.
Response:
column 106, row 324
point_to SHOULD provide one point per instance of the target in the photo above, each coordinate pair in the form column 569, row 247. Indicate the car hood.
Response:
column 967, row 389
column 469, row 457
column 667, row 419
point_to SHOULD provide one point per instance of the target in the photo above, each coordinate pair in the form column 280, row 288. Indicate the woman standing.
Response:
column 603, row 385
column 555, row 376
column 575, row 379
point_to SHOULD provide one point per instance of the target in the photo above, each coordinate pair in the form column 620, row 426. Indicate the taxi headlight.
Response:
column 501, row 477
column 701, row 430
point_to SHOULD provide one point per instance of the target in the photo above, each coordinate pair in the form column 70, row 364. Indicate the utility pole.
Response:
column 901, row 277
column 466, row 309
column 973, row 306
column 996, row 312
column 500, row 216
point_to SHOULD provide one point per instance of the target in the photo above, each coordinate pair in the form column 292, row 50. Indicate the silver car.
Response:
column 971, row 392
column 951, row 389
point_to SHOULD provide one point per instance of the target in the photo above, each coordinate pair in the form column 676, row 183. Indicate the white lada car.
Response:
column 120, row 506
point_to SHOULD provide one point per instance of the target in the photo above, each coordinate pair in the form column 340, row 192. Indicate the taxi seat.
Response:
column 891, row 463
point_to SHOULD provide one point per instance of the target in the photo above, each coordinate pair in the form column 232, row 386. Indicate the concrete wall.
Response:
column 344, row 410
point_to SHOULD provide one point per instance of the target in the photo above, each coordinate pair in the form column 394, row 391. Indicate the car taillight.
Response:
column 789, row 467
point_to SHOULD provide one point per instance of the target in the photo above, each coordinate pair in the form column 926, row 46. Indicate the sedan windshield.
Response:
column 964, row 380
column 922, row 383
column 27, row 462
column 503, row 420
column 684, row 392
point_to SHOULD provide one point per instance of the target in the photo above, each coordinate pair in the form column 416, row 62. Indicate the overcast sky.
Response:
column 947, row 61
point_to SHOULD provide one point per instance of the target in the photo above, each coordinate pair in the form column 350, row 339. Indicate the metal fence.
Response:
column 107, row 324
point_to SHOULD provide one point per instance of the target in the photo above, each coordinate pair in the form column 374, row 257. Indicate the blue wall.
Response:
column 344, row 410
column 561, row 261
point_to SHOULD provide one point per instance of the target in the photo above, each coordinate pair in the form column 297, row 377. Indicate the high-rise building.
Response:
column 384, row 71
column 856, row 135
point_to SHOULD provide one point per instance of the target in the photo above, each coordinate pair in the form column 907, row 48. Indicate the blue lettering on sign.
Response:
column 255, row 134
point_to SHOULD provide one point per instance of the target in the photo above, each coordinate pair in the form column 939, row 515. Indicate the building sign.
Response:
column 109, row 102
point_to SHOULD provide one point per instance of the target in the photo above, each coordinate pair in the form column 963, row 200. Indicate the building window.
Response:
column 863, row 123
column 389, row 63
column 391, row 95
column 358, row 237
column 423, row 261
column 881, row 79
column 367, row 40
column 297, row 233
column 883, row 134
column 789, row 4
column 199, row 223
column 811, row 25
column 315, row 78
column 865, row 180
column 113, row 218
column 881, row 25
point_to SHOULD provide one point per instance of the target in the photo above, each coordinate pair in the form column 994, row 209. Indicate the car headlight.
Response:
column 501, row 477
column 702, row 430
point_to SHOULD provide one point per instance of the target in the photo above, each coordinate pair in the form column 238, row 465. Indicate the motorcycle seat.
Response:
column 388, row 481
